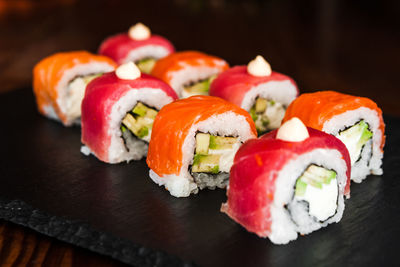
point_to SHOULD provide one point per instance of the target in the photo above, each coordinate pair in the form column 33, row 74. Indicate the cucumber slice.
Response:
column 87, row 79
column 146, row 65
column 205, row 163
column 318, row 187
column 213, row 154
column 315, row 176
column 215, row 170
column 202, row 143
column 301, row 187
column 253, row 114
column 199, row 88
column 311, row 181
column 355, row 138
column 140, row 121
column 266, row 114
column 196, row 159
column 261, row 105
column 144, row 131
column 321, row 174
column 130, row 122
column 220, row 142
column 140, row 109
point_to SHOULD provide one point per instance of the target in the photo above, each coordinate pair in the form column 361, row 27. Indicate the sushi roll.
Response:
column 137, row 45
column 264, row 93
column 356, row 121
column 291, row 180
column 189, row 72
column 118, row 112
column 194, row 141
column 59, row 83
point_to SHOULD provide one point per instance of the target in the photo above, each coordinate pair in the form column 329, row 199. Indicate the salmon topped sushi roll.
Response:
column 289, row 181
column 59, row 83
column 189, row 72
column 356, row 121
column 194, row 141
column 264, row 93
column 138, row 45
column 118, row 113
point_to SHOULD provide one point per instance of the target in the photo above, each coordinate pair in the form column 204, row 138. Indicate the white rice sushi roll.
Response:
column 118, row 113
column 59, row 83
column 356, row 121
column 290, row 181
column 194, row 141
column 264, row 93
column 138, row 45
column 189, row 72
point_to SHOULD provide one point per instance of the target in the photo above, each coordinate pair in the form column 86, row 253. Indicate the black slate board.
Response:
column 41, row 165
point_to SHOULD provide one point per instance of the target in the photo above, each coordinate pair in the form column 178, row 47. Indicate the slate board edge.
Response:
column 83, row 235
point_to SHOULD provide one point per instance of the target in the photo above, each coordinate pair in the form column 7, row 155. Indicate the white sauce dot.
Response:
column 293, row 130
column 259, row 67
column 128, row 71
column 139, row 32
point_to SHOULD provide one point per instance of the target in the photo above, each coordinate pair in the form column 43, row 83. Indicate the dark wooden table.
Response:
column 21, row 246
column 353, row 47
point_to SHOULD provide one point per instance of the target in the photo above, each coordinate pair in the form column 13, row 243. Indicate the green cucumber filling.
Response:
column 146, row 65
column 315, row 195
column 75, row 94
column 139, row 121
column 267, row 114
column 213, row 159
column 200, row 87
column 355, row 138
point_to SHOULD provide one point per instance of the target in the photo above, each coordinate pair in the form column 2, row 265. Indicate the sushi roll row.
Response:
column 197, row 120
column 263, row 93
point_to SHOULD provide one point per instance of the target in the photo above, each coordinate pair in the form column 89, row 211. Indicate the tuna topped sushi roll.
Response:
column 356, row 121
column 137, row 45
column 190, row 72
column 194, row 141
column 59, row 83
column 289, row 181
column 265, row 94
column 118, row 113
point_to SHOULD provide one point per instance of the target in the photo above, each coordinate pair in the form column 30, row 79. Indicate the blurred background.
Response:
column 348, row 46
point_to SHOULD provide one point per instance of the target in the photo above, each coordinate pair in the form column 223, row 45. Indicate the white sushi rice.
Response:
column 147, row 51
column 225, row 124
column 190, row 74
column 85, row 150
column 50, row 112
column 68, row 99
column 283, row 229
column 283, row 92
column 133, row 148
column 367, row 164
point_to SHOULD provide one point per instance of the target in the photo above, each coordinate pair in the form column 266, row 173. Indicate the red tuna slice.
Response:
column 234, row 83
column 119, row 46
column 100, row 96
column 255, row 170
